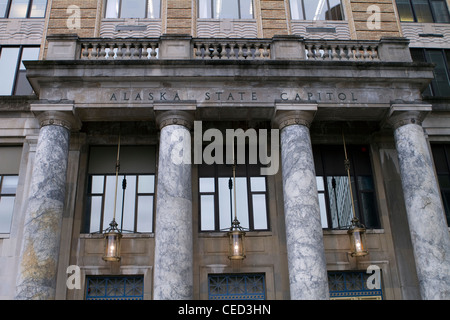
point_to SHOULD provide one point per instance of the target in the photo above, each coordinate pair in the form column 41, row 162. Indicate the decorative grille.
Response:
column 236, row 287
column 115, row 288
column 351, row 285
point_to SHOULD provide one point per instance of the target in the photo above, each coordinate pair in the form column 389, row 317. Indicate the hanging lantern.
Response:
column 112, row 238
column 112, row 235
column 357, row 233
column 236, row 244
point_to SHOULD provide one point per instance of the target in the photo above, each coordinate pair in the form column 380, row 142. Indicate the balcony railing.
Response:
column 69, row 47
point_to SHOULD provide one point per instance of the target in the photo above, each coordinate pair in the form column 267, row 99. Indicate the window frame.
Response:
column 28, row 14
column 321, row 172
column 430, row 7
column 17, row 67
column 108, row 279
column 249, row 173
column 302, row 4
column 9, row 195
column 440, row 171
column 90, row 194
column 431, row 90
column 119, row 13
column 211, row 13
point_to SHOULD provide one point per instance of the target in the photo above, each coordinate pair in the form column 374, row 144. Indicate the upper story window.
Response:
column 440, row 85
column 316, row 10
column 9, row 179
column 135, row 189
column 13, row 80
column 225, row 9
column 150, row 9
column 426, row 11
column 333, row 187
column 23, row 8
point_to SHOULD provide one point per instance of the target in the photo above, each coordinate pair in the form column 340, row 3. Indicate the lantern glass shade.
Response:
column 358, row 241
column 236, row 245
column 112, row 246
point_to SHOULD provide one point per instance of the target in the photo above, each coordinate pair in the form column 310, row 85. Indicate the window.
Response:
column 23, row 8
column 225, row 9
column 217, row 199
column 316, row 10
column 333, row 187
column 9, row 178
column 441, row 154
column 440, row 85
column 135, row 189
column 13, row 80
column 150, row 9
column 115, row 288
column 236, row 287
column 425, row 11
column 352, row 285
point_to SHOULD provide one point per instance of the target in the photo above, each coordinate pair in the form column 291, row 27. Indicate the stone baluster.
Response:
column 304, row 238
column 38, row 260
column 429, row 233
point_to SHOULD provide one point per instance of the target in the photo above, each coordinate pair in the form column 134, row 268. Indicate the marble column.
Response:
column 304, row 237
column 429, row 233
column 38, row 262
column 173, row 269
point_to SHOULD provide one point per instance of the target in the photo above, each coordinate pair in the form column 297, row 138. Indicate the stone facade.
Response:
column 311, row 88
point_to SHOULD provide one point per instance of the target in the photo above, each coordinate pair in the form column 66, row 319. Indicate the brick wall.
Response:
column 179, row 16
column 59, row 17
column 273, row 17
column 358, row 19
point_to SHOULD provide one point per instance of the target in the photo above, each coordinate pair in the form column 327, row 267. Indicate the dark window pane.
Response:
column 340, row 201
column 440, row 11
column 446, row 200
column 423, row 11
column 368, row 208
column 23, row 87
column 405, row 11
column 444, row 181
column 440, row 83
column 335, row 11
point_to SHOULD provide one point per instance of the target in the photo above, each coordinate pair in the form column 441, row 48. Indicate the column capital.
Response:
column 289, row 114
column 182, row 115
column 56, row 114
column 403, row 114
